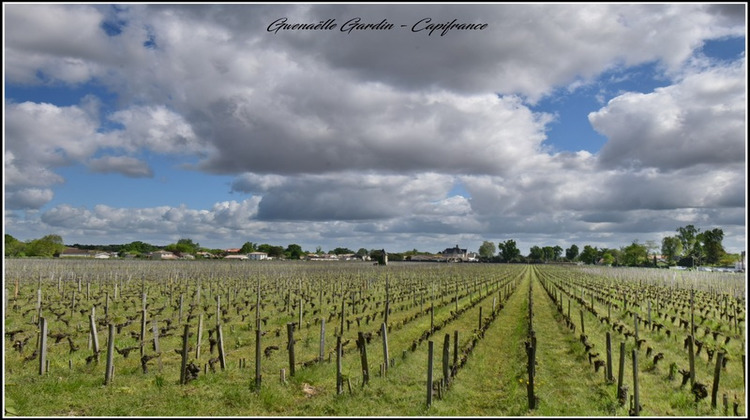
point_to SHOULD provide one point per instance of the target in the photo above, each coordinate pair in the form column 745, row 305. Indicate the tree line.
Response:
column 52, row 245
column 689, row 247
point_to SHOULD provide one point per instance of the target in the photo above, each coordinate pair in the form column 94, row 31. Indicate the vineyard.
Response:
column 220, row 338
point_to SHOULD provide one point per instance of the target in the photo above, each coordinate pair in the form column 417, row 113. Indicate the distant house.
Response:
column 236, row 257
column 322, row 257
column 455, row 254
column 162, row 255
column 257, row 256
column 232, row 250
column 75, row 253
column 85, row 253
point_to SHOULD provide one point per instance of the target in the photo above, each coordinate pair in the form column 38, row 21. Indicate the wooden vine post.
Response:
column 143, row 329
column 339, row 376
column 636, row 399
column 429, row 373
column 183, row 362
column 290, row 346
column 94, row 337
column 384, row 334
column 322, row 349
column 610, row 377
column 222, row 353
column 198, row 339
column 622, row 393
column 42, row 346
column 531, row 353
column 257, row 358
column 717, row 375
column 446, row 359
column 110, row 355
column 691, row 359
column 363, row 357
column 258, row 334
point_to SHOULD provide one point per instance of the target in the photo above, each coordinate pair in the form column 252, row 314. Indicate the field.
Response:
column 353, row 339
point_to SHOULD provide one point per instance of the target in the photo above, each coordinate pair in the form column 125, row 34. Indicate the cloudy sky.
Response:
column 555, row 124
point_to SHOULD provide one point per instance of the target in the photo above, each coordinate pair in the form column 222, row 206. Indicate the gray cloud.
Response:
column 32, row 198
column 352, row 196
column 130, row 167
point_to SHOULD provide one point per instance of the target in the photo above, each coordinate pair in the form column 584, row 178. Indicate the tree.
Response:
column 590, row 254
column 46, row 246
column 486, row 250
column 615, row 253
column 247, row 248
column 712, row 247
column 139, row 247
column 557, row 252
column 549, row 253
column 635, row 254
column 293, row 252
column 341, row 251
column 188, row 244
column 509, row 252
column 571, row 253
column 536, row 253
column 183, row 246
column 671, row 248
column 687, row 236
column 14, row 247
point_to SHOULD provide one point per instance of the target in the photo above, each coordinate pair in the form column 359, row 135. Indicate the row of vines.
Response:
column 307, row 338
